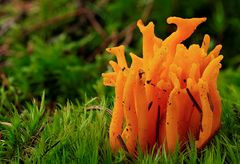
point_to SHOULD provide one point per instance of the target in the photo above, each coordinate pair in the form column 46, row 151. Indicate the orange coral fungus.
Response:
column 167, row 95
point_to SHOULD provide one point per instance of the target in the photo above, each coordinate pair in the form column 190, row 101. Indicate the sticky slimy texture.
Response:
column 168, row 94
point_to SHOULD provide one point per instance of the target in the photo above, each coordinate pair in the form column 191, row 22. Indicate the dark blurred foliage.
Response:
column 59, row 46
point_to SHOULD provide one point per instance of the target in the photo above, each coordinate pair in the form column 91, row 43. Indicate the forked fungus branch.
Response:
column 167, row 94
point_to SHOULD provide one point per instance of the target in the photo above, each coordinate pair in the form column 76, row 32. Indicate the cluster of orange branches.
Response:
column 167, row 95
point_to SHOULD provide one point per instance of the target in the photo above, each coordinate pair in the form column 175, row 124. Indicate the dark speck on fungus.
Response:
column 150, row 105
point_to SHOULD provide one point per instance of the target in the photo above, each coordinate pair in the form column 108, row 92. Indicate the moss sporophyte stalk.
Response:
column 167, row 95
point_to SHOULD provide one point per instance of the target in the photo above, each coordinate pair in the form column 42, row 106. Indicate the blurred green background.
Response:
column 59, row 46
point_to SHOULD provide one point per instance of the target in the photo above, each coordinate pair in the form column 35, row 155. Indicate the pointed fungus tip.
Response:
column 108, row 50
column 177, row 20
column 140, row 22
